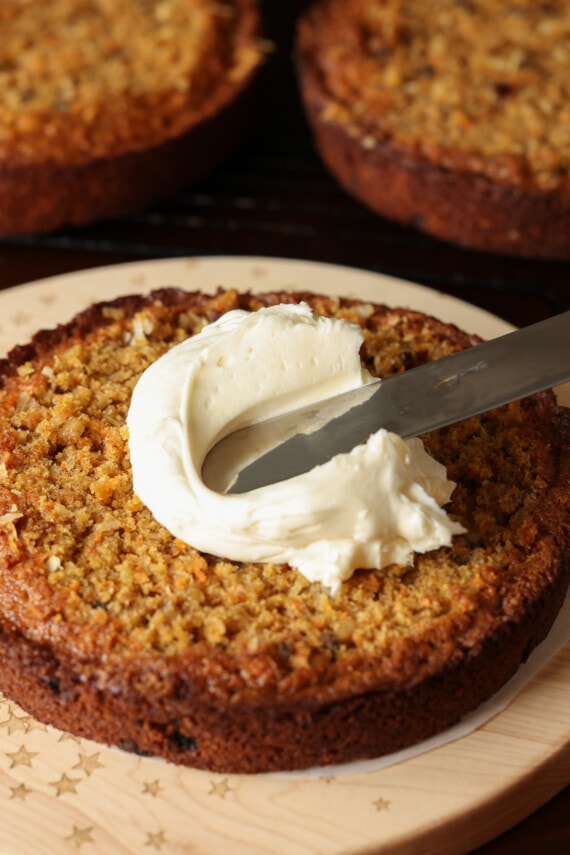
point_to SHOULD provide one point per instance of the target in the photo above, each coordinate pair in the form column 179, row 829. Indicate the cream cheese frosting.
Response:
column 372, row 507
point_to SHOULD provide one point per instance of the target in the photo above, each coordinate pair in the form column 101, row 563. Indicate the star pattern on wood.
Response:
column 18, row 720
column 20, row 792
column 65, row 785
column 65, row 736
column 34, row 724
column 16, row 723
column 88, row 763
column 152, row 788
column 157, row 840
column 381, row 804
column 220, row 788
column 21, row 757
column 79, row 836
column 48, row 298
column 21, row 318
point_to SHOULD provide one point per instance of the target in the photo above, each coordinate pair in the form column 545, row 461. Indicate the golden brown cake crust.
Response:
column 436, row 117
column 113, row 629
column 119, row 105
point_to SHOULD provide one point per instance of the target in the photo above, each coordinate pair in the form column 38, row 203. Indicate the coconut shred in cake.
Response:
column 372, row 507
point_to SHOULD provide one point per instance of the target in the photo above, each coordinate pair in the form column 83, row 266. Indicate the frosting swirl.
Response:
column 374, row 506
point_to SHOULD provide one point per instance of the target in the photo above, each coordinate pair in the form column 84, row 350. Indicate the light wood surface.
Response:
column 60, row 794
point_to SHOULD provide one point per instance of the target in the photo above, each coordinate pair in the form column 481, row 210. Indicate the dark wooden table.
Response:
column 274, row 198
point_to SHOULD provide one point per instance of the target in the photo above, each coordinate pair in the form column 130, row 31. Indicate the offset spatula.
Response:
column 431, row 396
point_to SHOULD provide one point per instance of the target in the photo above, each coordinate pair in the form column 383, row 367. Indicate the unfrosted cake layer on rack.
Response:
column 444, row 116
